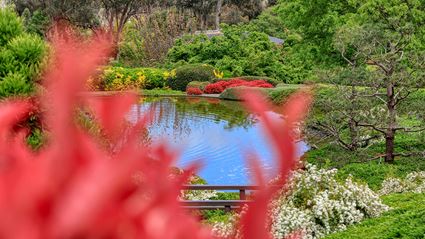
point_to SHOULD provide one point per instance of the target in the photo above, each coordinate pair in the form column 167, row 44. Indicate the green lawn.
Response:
column 405, row 220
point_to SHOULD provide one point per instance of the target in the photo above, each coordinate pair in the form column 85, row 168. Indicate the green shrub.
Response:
column 279, row 94
column 237, row 52
column 21, row 56
column 37, row 22
column 119, row 78
column 10, row 26
column 198, row 84
column 235, row 92
column 188, row 73
column 14, row 84
column 27, row 53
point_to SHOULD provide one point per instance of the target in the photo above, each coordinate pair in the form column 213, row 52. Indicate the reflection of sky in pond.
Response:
column 219, row 134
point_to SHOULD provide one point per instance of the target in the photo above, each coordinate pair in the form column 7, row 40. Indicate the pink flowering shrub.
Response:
column 76, row 188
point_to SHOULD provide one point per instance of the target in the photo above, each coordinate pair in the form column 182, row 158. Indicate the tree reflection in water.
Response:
column 218, row 132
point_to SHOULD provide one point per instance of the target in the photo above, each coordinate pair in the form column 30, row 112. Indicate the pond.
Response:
column 217, row 132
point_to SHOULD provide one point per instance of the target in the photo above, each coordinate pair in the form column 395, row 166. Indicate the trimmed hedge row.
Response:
column 276, row 95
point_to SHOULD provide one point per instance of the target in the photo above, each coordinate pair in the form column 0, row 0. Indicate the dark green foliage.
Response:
column 236, row 53
column 188, row 73
column 36, row 23
column 81, row 13
column 405, row 220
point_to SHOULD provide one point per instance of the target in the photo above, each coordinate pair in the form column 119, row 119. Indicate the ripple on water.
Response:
column 219, row 134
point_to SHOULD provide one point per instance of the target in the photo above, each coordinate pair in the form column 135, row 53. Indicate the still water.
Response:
column 219, row 133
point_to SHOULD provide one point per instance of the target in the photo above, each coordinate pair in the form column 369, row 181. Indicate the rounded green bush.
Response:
column 10, row 26
column 21, row 56
column 188, row 73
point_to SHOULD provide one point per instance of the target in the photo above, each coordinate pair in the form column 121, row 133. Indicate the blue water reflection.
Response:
column 219, row 133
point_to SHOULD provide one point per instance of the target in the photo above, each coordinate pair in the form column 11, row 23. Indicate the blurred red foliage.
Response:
column 75, row 188
column 220, row 86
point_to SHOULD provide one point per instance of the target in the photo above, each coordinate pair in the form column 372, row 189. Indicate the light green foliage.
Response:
column 10, row 26
column 14, row 84
column 162, row 92
column 21, row 56
column 236, row 53
column 131, row 52
column 182, row 76
column 36, row 139
column 308, row 28
column 405, row 220
column 120, row 78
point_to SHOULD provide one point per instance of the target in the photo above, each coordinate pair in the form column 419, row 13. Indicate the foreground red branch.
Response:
column 75, row 188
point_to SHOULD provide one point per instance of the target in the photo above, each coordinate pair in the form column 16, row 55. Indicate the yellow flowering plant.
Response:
column 119, row 78
column 218, row 74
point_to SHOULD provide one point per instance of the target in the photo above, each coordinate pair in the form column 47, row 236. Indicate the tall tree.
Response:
column 251, row 8
column 388, row 37
column 82, row 13
column 218, row 13
column 200, row 8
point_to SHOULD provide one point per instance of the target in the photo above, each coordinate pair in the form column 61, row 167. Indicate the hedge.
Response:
column 188, row 73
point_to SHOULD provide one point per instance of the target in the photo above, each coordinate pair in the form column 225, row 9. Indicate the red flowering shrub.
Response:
column 220, row 86
column 75, row 188
column 215, row 88
column 194, row 91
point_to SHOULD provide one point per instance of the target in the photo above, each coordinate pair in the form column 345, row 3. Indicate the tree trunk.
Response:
column 391, row 129
column 354, row 134
column 218, row 14
column 389, row 146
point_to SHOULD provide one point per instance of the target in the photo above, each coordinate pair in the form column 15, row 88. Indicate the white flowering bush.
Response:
column 413, row 183
column 225, row 229
column 315, row 204
column 198, row 195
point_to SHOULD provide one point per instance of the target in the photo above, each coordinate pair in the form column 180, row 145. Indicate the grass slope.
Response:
column 405, row 220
